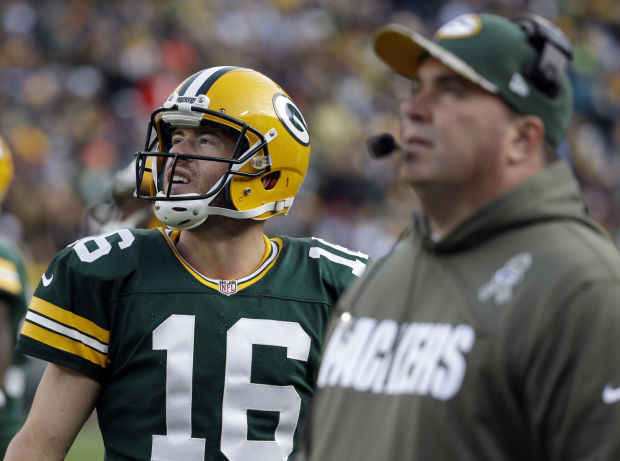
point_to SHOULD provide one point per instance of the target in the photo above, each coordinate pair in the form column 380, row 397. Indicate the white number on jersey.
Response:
column 176, row 335
column 103, row 246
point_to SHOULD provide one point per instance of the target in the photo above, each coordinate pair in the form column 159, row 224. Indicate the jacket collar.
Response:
column 551, row 194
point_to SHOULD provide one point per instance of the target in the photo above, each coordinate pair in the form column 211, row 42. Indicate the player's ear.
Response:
column 527, row 138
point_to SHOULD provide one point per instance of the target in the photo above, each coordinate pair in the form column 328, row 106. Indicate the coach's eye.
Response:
column 416, row 87
column 454, row 89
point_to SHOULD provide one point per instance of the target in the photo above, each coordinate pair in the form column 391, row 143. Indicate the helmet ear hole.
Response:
column 270, row 180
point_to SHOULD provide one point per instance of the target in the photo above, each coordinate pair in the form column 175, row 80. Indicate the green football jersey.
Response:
column 192, row 368
column 14, row 289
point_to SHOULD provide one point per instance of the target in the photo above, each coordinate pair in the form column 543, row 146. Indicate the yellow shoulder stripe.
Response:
column 70, row 319
column 10, row 286
column 8, row 265
column 9, row 277
column 63, row 343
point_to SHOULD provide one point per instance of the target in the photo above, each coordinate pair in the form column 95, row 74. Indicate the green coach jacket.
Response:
column 499, row 342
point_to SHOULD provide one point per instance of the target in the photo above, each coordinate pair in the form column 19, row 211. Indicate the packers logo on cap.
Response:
column 464, row 26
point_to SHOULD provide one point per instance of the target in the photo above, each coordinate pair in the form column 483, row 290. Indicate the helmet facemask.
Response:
column 187, row 211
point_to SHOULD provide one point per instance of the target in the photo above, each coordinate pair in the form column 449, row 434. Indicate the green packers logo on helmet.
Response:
column 291, row 118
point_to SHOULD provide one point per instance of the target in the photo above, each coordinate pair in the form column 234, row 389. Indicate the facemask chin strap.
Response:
column 277, row 206
column 182, row 214
column 189, row 214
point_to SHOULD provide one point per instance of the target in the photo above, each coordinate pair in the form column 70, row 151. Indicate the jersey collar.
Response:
column 229, row 287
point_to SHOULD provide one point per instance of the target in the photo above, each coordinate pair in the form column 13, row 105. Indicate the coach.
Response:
column 493, row 332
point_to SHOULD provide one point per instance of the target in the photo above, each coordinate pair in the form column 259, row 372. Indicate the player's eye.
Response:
column 207, row 139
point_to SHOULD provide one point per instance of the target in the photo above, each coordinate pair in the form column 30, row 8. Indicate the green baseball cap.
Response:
column 494, row 53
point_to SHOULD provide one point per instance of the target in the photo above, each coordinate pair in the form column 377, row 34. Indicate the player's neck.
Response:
column 224, row 248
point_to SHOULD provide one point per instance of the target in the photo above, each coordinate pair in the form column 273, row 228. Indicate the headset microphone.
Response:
column 381, row 145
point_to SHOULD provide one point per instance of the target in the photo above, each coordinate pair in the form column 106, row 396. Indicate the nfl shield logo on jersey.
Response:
column 228, row 287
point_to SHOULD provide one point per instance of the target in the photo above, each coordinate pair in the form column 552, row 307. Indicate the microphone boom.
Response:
column 381, row 145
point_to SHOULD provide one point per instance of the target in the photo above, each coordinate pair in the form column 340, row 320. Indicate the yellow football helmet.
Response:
column 6, row 169
column 269, row 162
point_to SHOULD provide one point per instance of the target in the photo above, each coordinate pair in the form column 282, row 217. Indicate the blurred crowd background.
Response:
column 79, row 79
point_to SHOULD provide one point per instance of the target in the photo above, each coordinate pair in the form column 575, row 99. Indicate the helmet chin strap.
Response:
column 189, row 214
column 254, row 212
column 182, row 214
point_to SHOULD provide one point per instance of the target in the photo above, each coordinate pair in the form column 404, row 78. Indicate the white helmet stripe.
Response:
column 202, row 81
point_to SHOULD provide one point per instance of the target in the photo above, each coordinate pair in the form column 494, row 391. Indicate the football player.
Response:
column 13, row 296
column 199, row 341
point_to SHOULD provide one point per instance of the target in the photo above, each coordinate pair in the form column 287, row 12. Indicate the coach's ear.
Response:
column 527, row 139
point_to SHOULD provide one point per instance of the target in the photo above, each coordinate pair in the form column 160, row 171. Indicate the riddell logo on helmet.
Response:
column 189, row 99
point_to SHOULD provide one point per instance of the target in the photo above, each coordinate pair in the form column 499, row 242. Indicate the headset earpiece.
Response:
column 554, row 53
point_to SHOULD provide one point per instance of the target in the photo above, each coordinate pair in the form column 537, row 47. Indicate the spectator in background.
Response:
column 75, row 76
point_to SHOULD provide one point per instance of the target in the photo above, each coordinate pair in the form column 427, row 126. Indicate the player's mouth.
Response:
column 178, row 179
column 177, row 183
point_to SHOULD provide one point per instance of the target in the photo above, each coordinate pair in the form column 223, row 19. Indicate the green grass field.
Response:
column 88, row 445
